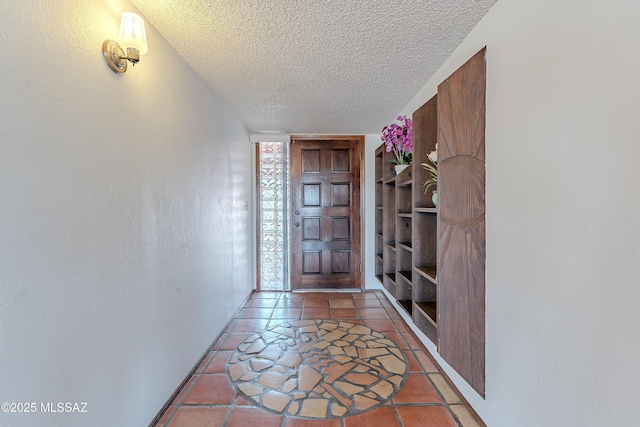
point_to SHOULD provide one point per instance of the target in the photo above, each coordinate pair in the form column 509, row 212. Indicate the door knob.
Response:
column 297, row 224
column 297, row 212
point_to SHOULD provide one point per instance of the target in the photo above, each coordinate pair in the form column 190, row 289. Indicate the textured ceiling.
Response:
column 315, row 66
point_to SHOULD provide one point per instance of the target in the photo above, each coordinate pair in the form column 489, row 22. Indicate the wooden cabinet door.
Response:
column 461, row 240
column 325, row 213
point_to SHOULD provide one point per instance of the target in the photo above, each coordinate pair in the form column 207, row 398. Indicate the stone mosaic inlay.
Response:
column 317, row 369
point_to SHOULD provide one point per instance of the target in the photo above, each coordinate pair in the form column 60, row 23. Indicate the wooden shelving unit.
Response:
column 404, row 239
column 385, row 244
column 440, row 285
column 425, row 227
column 394, row 229
column 407, row 225
column 379, row 238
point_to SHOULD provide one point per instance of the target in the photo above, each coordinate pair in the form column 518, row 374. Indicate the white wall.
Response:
column 124, row 243
column 371, row 142
column 563, row 230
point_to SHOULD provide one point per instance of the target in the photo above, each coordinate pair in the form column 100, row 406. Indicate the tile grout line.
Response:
column 232, row 407
column 397, row 414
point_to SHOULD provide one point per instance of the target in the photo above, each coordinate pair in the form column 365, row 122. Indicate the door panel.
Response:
column 311, row 228
column 341, row 194
column 312, row 195
column 341, row 228
column 461, row 242
column 325, row 206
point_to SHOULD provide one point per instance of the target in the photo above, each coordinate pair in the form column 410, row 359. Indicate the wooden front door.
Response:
column 325, row 212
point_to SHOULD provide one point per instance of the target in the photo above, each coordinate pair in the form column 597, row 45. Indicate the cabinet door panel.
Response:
column 461, row 242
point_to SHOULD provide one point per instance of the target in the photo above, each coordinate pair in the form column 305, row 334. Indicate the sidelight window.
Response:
column 273, row 215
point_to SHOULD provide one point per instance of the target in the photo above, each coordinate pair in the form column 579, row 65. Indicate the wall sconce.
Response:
column 132, row 37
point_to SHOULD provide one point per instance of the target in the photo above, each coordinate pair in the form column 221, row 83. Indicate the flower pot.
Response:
column 400, row 168
column 434, row 198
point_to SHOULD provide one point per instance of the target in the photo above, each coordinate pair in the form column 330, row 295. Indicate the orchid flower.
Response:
column 398, row 138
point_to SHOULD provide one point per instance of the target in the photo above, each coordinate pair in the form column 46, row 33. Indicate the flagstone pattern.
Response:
column 317, row 359
column 317, row 369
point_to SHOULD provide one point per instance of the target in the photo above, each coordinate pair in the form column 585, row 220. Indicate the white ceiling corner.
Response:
column 315, row 66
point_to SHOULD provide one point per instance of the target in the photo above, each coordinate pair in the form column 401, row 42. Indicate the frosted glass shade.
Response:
column 132, row 34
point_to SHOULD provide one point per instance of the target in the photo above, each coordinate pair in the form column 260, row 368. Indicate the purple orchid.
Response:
column 398, row 138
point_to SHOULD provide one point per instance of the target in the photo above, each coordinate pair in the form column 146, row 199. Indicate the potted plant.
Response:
column 433, row 170
column 398, row 138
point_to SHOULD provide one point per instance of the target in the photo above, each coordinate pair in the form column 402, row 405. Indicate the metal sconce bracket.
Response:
column 114, row 56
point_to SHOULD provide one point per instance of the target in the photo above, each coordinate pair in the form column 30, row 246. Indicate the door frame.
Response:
column 360, row 143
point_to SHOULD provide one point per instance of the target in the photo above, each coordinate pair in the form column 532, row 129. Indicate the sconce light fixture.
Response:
column 132, row 38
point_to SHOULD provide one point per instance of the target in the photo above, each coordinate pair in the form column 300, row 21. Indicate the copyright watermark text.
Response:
column 44, row 407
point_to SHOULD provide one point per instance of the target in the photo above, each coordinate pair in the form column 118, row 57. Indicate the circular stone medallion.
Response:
column 317, row 369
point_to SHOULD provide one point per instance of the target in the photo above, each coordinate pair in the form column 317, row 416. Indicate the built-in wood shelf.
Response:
column 406, row 275
column 406, row 245
column 428, row 272
column 407, row 304
column 428, row 309
column 426, row 210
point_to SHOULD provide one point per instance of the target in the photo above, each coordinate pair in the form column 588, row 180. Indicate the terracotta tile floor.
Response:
column 318, row 360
